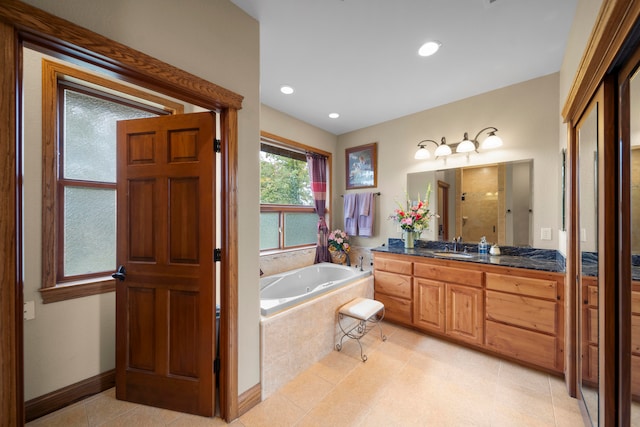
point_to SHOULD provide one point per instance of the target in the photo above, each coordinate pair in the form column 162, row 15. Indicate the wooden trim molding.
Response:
column 52, row 72
column 613, row 26
column 11, row 328
column 129, row 64
column 21, row 23
column 229, row 267
column 50, row 402
column 249, row 399
column 71, row 291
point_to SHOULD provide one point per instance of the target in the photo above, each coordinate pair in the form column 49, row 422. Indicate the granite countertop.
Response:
column 511, row 256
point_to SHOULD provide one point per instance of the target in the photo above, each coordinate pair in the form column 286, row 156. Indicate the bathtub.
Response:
column 304, row 329
column 293, row 287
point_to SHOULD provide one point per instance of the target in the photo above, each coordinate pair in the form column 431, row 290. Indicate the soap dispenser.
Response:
column 482, row 246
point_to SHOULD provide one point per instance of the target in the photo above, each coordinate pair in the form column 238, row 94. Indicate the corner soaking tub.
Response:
column 290, row 288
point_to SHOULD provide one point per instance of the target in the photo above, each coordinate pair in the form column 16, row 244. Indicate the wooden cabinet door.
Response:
column 165, row 309
column 429, row 304
column 464, row 313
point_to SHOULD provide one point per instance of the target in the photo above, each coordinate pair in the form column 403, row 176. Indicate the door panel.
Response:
column 165, row 308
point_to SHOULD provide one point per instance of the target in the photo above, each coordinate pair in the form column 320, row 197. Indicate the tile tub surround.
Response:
column 280, row 262
column 296, row 338
column 511, row 256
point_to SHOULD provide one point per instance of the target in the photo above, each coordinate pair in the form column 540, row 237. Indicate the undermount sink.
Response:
column 462, row 255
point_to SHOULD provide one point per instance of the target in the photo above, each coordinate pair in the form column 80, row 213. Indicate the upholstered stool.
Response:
column 368, row 313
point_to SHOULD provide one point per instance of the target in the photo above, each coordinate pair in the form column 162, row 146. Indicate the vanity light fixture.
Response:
column 442, row 149
column 467, row 145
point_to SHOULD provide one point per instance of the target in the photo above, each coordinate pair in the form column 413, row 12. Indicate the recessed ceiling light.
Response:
column 429, row 48
column 334, row 115
column 287, row 90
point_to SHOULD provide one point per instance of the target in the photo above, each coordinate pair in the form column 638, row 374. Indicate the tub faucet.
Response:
column 361, row 262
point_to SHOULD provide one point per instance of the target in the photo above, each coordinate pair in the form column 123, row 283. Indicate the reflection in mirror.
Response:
column 634, row 127
column 587, row 134
column 494, row 201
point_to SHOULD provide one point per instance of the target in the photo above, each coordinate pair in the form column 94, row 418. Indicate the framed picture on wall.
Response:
column 361, row 166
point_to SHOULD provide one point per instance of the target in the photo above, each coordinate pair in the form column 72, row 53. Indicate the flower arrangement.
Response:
column 339, row 241
column 416, row 216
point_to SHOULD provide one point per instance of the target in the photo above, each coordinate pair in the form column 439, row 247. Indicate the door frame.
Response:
column 614, row 25
column 22, row 24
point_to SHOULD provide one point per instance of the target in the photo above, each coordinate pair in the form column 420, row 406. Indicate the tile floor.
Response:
column 409, row 380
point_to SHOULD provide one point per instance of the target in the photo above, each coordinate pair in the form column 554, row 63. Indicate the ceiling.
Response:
column 359, row 58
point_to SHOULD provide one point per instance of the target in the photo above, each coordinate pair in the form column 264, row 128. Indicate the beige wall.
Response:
column 73, row 340
column 526, row 115
column 285, row 126
column 583, row 22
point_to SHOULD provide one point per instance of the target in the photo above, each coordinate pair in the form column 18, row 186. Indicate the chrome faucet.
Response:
column 361, row 261
column 456, row 242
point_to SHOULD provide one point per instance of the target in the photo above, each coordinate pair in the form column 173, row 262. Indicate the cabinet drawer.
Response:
column 448, row 274
column 531, row 313
column 590, row 363
column 635, row 302
column 392, row 284
column 635, row 334
column 540, row 288
column 591, row 323
column 635, row 375
column 393, row 265
column 396, row 309
column 592, row 296
column 528, row 346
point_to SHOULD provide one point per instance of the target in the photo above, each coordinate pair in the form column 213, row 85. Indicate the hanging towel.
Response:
column 365, row 209
column 350, row 215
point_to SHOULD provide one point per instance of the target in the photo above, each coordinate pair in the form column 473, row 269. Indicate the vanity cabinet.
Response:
column 393, row 287
column 448, row 300
column 590, row 329
column 523, row 317
column 512, row 312
column 635, row 340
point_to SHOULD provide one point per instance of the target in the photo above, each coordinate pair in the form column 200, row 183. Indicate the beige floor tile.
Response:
column 410, row 380
column 187, row 420
column 306, row 390
column 106, row 407
column 144, row 416
column 276, row 411
column 569, row 417
column 71, row 416
column 334, row 367
column 526, row 401
column 512, row 373
column 334, row 410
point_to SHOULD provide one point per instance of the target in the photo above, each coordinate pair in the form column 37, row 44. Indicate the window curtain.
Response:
column 318, row 173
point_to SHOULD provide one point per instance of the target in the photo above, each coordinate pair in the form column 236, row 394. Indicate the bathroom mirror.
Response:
column 587, row 150
column 634, row 225
column 492, row 200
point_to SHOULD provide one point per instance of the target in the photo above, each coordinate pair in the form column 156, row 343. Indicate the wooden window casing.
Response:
column 56, row 286
column 288, row 145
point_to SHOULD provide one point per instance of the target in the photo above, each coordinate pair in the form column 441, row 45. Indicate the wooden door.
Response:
column 429, row 304
column 165, row 307
column 464, row 313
